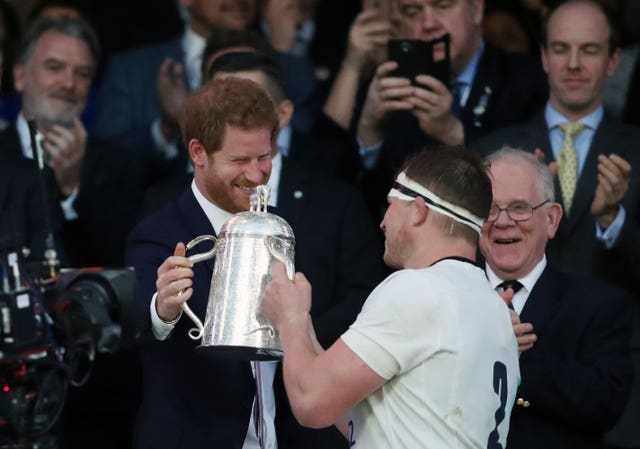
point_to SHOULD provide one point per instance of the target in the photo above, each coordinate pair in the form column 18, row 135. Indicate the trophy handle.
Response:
column 195, row 333
column 272, row 245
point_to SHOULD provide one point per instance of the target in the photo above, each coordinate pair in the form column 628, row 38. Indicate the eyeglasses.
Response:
column 515, row 211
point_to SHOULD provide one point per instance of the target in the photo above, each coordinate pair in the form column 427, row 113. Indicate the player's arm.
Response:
column 322, row 388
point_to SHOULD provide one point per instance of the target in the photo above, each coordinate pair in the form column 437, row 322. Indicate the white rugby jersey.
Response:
column 444, row 340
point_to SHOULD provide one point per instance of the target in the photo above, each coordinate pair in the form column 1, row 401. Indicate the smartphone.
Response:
column 383, row 7
column 418, row 57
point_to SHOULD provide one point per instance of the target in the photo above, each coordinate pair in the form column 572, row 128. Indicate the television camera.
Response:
column 52, row 324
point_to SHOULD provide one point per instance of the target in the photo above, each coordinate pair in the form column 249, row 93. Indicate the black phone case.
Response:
column 416, row 57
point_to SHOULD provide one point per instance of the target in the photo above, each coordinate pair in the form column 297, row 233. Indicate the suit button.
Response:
column 526, row 404
column 519, row 401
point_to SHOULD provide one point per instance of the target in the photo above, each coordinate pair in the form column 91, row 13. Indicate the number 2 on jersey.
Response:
column 500, row 387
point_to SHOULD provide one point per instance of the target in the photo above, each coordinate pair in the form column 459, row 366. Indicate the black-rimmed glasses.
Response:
column 515, row 211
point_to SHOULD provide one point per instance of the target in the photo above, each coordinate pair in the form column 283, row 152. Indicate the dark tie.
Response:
column 456, row 94
column 513, row 284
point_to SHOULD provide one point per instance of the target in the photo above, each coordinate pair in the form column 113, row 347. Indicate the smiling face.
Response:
column 55, row 80
column 577, row 58
column 512, row 249
column 227, row 176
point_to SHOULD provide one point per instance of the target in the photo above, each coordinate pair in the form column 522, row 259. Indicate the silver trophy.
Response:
column 247, row 245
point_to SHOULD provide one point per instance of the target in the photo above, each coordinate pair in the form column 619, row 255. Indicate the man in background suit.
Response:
column 576, row 377
column 600, row 233
column 90, row 197
column 53, row 74
column 28, row 215
column 488, row 89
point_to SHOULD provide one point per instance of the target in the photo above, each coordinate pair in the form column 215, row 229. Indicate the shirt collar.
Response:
column 217, row 217
column 469, row 72
column 555, row 118
column 527, row 281
column 193, row 45
column 283, row 141
column 25, row 137
column 274, row 179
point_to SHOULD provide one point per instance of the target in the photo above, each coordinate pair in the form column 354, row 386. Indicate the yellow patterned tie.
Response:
column 568, row 163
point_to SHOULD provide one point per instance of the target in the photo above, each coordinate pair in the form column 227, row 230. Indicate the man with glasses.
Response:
column 576, row 370
column 488, row 89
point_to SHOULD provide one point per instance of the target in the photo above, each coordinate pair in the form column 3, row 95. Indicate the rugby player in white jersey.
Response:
column 431, row 361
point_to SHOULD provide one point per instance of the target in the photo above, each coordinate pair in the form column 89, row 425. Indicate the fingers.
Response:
column 506, row 295
column 553, row 168
column 174, row 283
column 170, row 73
column 65, row 148
column 613, row 178
column 524, row 333
column 174, row 268
column 432, row 85
column 180, row 250
column 615, row 169
column 526, row 342
column 623, row 166
column 385, row 69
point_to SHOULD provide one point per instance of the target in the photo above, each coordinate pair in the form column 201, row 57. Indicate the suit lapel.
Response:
column 291, row 191
column 10, row 147
column 484, row 81
column 195, row 220
column 588, row 180
column 543, row 301
column 534, row 134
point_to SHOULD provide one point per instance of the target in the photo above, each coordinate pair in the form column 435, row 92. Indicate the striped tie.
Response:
column 568, row 163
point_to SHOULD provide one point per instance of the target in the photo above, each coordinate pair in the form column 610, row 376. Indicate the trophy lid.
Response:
column 257, row 221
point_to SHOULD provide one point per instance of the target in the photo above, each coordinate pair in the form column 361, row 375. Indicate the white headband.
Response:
column 404, row 188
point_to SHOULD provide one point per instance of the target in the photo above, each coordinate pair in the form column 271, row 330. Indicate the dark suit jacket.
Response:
column 507, row 89
column 108, row 200
column 337, row 248
column 190, row 400
column 24, row 219
column 577, row 376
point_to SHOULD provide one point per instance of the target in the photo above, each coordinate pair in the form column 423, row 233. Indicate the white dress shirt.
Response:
column 520, row 298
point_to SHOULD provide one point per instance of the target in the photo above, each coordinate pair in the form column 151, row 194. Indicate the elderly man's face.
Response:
column 55, row 80
column 513, row 248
